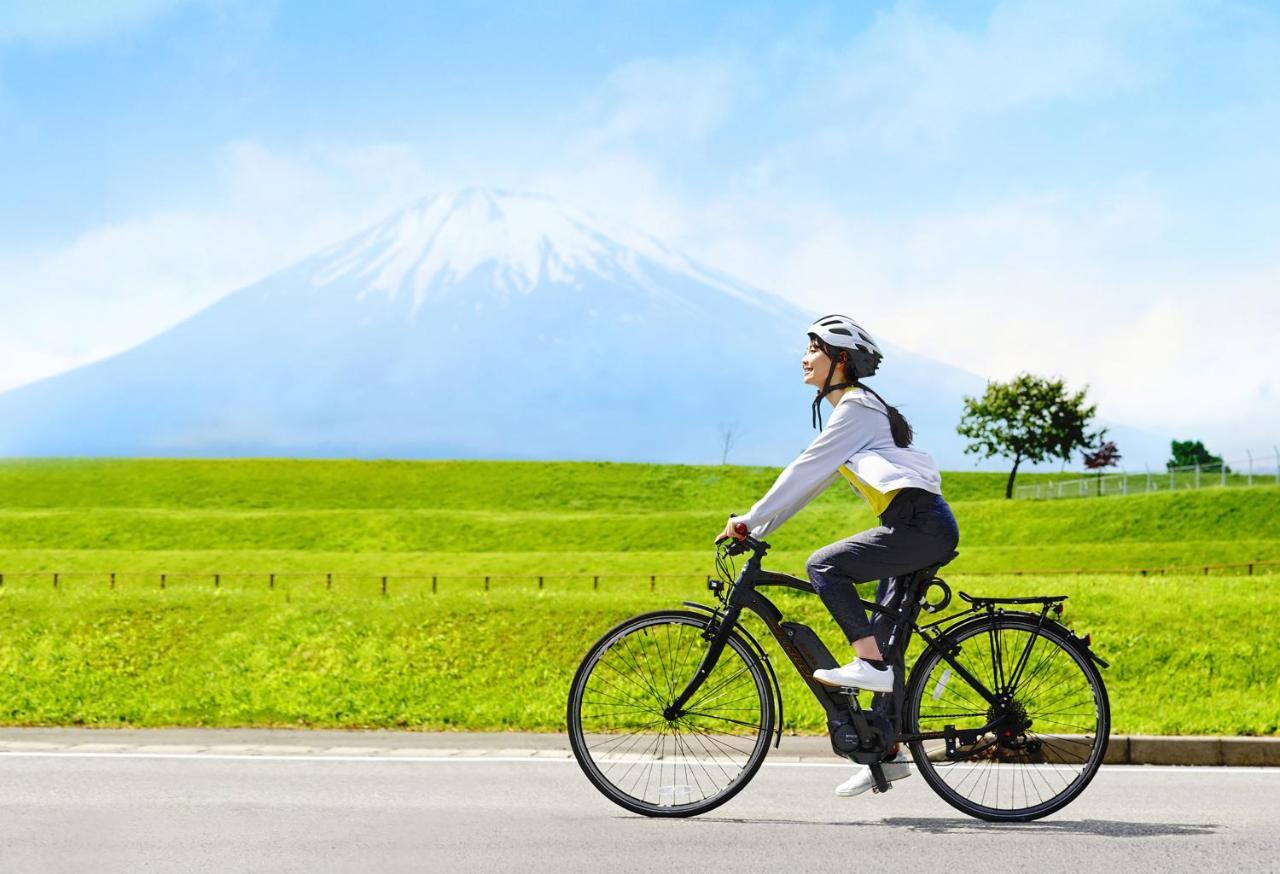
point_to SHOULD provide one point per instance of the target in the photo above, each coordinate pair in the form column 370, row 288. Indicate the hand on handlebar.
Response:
column 734, row 529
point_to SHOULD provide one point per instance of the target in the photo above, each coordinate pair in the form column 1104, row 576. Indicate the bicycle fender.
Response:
column 1082, row 643
column 776, row 687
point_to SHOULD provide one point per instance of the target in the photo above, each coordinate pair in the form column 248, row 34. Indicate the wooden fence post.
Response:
column 652, row 581
column 539, row 584
column 216, row 581
column 113, row 579
column 433, row 585
column 328, row 581
column 55, row 581
column 384, row 585
column 162, row 581
column 271, row 581
column 595, row 584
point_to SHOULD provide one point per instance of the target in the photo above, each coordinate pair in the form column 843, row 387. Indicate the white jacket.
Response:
column 857, row 437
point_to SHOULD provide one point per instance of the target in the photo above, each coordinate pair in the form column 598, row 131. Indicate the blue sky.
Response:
column 1083, row 188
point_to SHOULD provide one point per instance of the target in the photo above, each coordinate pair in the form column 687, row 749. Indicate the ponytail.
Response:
column 899, row 427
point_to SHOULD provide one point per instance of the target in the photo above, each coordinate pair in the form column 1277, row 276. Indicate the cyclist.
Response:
column 867, row 442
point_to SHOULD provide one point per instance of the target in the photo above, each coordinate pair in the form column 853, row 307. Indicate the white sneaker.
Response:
column 857, row 675
column 895, row 769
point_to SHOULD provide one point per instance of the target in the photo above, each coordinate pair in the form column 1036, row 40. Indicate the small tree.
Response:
column 1106, row 455
column 1189, row 453
column 1029, row 418
column 729, row 434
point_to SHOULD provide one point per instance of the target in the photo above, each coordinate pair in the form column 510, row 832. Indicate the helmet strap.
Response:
column 827, row 388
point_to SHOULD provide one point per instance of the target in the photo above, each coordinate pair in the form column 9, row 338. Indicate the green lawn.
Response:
column 278, row 484
column 320, row 645
column 1188, row 655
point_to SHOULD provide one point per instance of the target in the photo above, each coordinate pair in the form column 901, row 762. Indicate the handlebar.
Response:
column 747, row 543
column 740, row 528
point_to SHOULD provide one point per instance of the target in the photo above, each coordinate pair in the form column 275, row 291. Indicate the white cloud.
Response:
column 1093, row 285
column 1087, row 287
column 911, row 73
column 20, row 364
column 1057, row 286
column 663, row 102
column 117, row 284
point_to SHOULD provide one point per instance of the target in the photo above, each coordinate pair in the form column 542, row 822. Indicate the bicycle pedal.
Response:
column 878, row 782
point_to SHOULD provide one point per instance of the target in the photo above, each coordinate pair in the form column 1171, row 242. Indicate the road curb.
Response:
column 1206, row 750
column 1137, row 749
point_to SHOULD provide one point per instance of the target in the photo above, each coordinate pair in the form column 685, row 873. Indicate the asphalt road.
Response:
column 175, row 812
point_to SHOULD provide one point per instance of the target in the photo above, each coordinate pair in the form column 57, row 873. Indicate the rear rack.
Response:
column 1033, row 599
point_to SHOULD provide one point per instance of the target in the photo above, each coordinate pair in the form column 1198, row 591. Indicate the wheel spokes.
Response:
column 660, row 762
column 1048, row 721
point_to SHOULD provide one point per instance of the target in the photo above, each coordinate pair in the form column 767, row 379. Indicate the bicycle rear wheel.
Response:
column 1055, row 719
column 656, row 766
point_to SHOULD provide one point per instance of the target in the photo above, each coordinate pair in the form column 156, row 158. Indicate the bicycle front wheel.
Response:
column 656, row 766
column 1052, row 719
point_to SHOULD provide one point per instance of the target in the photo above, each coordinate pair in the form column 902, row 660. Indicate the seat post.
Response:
column 908, row 604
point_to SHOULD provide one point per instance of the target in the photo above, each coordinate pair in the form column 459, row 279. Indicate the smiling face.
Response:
column 815, row 365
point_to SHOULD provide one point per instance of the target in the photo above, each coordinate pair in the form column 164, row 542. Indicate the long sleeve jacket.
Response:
column 857, row 442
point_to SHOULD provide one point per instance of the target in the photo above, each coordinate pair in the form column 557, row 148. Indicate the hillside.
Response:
column 552, row 518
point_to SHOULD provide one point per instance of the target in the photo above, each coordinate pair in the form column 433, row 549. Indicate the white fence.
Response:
column 1250, row 471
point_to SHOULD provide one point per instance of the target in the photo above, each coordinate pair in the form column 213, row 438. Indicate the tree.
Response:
column 1029, row 418
column 729, row 434
column 1106, row 456
column 1189, row 453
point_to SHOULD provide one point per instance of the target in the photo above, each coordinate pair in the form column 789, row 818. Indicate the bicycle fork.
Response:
column 718, row 641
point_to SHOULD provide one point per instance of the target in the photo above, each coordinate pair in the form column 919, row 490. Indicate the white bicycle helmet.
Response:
column 843, row 334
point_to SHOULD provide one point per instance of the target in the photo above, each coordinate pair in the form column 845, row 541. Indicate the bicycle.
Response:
column 983, row 710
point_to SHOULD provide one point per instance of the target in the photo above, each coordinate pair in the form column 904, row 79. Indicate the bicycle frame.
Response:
column 853, row 735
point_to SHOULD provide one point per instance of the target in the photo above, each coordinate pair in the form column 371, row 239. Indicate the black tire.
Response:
column 1059, row 688
column 616, row 705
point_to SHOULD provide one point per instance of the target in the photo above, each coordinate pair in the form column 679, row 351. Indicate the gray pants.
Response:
column 916, row 530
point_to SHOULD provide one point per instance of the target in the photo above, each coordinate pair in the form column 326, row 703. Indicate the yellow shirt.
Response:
column 878, row 500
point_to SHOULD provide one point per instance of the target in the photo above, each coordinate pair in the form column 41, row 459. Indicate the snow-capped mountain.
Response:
column 520, row 241
column 473, row 325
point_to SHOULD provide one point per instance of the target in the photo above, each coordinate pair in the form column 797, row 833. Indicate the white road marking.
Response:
column 444, row 760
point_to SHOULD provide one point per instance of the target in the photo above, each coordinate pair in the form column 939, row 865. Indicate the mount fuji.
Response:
column 475, row 324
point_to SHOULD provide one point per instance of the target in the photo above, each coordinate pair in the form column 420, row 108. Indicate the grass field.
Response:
column 523, row 518
column 1196, row 657
column 1191, row 653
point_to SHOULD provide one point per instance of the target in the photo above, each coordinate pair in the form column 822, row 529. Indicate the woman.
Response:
column 867, row 442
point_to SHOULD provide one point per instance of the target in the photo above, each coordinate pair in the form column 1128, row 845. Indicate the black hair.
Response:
column 899, row 427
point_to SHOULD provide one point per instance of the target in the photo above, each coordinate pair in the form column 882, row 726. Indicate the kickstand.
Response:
column 877, row 774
